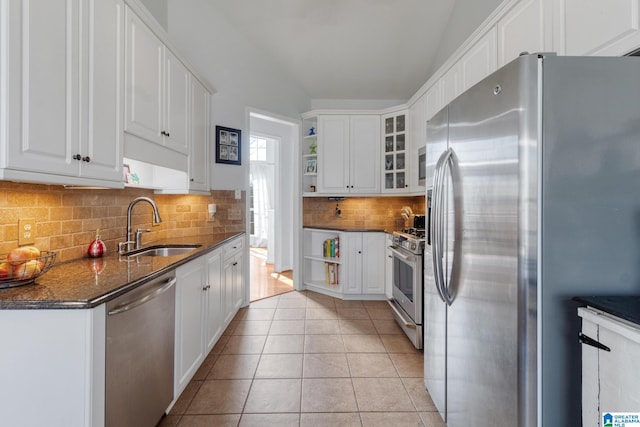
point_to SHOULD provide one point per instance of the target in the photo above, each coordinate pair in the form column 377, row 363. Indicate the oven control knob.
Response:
column 413, row 245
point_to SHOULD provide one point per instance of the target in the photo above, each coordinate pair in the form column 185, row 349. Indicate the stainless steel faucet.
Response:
column 124, row 247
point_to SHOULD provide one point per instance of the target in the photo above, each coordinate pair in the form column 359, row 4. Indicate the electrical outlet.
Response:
column 235, row 214
column 26, row 231
column 238, row 194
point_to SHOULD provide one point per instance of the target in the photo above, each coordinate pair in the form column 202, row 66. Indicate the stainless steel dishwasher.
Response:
column 139, row 354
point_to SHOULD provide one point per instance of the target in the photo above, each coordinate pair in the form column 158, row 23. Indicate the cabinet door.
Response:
column 213, row 315
column 352, row 250
column 333, row 154
column 373, row 263
column 619, row 377
column 521, row 30
column 199, row 146
column 480, row 61
column 228, row 272
column 143, row 81
column 396, row 149
column 238, row 282
column 176, row 117
column 103, row 143
column 364, row 154
column 189, row 349
column 590, row 387
column 41, row 90
column 591, row 27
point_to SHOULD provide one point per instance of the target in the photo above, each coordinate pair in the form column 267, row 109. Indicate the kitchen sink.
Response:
column 163, row 250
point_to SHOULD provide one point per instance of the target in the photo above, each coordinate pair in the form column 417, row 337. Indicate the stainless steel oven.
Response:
column 407, row 283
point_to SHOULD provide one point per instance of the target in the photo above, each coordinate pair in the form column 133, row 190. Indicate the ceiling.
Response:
column 346, row 49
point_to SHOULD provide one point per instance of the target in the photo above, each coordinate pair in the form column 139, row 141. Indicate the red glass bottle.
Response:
column 97, row 248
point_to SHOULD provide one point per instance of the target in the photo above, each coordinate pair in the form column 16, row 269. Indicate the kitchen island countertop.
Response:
column 88, row 282
column 626, row 307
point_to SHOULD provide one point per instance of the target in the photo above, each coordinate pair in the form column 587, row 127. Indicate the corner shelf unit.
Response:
column 309, row 164
column 316, row 263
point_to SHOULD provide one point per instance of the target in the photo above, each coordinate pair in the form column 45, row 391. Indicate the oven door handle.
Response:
column 401, row 254
column 408, row 323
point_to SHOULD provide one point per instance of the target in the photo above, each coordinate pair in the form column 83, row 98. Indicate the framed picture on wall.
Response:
column 228, row 145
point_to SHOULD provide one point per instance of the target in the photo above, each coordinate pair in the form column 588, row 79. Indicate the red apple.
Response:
column 5, row 270
column 19, row 255
column 26, row 270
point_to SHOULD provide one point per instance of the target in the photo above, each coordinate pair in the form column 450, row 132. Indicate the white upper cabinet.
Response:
column 144, row 109
column 176, row 104
column 157, row 89
column 521, row 29
column 480, row 61
column 364, row 155
column 348, row 154
column 396, row 152
column 61, row 92
column 592, row 27
column 104, row 141
column 333, row 154
column 199, row 136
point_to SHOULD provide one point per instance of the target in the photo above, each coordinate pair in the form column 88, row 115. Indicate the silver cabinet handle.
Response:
column 129, row 305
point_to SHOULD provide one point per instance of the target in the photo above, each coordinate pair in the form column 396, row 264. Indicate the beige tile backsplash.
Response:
column 66, row 219
column 382, row 213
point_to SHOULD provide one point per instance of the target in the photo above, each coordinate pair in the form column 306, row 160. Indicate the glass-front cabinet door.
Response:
column 395, row 162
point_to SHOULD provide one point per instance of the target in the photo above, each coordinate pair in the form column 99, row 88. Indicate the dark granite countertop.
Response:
column 88, row 282
column 626, row 307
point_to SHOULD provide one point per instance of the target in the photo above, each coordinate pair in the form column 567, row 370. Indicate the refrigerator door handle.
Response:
column 584, row 339
column 450, row 289
column 438, row 225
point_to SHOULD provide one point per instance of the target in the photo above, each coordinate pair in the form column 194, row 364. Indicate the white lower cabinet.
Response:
column 610, row 378
column 52, row 367
column 190, row 322
column 356, row 272
column 202, row 308
column 365, row 263
column 233, row 292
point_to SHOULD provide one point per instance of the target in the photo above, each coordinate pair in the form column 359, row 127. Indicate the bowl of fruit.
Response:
column 23, row 265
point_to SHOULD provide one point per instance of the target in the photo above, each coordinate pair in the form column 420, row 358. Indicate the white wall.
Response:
column 239, row 72
column 158, row 9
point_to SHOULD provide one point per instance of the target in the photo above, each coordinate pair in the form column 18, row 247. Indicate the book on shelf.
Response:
column 331, row 273
column 331, row 249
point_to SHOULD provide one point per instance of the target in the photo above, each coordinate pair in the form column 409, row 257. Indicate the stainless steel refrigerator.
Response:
column 535, row 179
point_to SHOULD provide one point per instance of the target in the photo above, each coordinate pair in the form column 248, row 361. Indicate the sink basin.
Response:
column 163, row 250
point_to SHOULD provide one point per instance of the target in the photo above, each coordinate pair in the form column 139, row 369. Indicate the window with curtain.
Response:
column 262, row 177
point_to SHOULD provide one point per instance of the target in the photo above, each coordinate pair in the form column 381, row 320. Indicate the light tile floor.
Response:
column 306, row 359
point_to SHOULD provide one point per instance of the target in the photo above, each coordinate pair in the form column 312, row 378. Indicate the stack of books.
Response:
column 331, row 249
